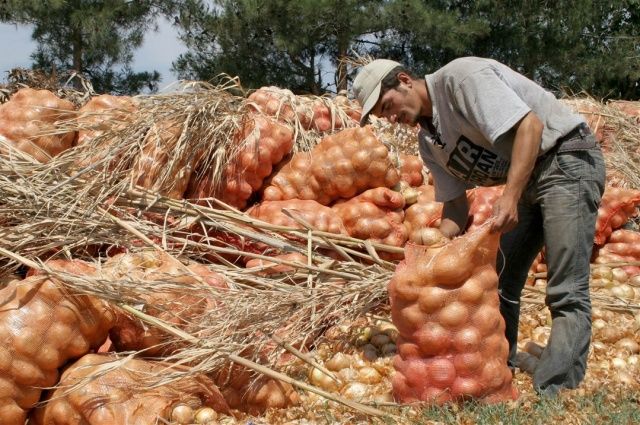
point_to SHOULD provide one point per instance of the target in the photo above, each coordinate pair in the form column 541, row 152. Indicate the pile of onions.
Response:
column 28, row 121
column 622, row 246
column 616, row 207
column 444, row 302
column 340, row 166
column 376, row 215
column 320, row 217
column 263, row 143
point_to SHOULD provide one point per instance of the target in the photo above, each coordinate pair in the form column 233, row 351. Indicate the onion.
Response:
column 322, row 380
column 599, row 345
column 629, row 345
column 380, row 340
column 619, row 275
column 442, row 372
column 472, row 291
column 369, row 375
column 623, row 291
column 467, row 364
column 454, row 315
column 432, row 339
column 388, row 349
column 206, row 415
column 467, row 340
column 633, row 361
column 355, row 391
column 432, row 298
column 618, row 363
column 370, row 353
column 635, row 280
column 348, row 375
column 626, row 378
column 182, row 414
column 486, row 319
column 466, row 387
column 533, row 349
column 338, row 362
column 599, row 324
column 602, row 272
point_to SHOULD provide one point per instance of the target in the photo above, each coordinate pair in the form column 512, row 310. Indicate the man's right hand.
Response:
column 455, row 214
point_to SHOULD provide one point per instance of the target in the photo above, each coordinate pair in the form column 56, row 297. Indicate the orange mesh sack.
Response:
column 176, row 308
column 99, row 114
column 340, row 166
column 263, row 143
column 623, row 246
column 320, row 217
column 116, row 396
column 27, row 120
column 268, row 268
column 42, row 326
column 411, row 169
column 422, row 217
column 444, row 302
column 616, row 207
column 376, row 215
column 481, row 201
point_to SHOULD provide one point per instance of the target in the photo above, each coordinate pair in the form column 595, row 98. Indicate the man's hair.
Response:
column 391, row 81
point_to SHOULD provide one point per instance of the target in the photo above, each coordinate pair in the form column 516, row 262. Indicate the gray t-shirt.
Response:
column 476, row 103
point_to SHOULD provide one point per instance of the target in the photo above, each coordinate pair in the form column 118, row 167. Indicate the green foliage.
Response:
column 95, row 38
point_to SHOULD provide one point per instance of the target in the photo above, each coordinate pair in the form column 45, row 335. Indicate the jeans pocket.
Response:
column 581, row 165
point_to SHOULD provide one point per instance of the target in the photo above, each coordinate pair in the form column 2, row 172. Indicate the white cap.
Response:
column 367, row 85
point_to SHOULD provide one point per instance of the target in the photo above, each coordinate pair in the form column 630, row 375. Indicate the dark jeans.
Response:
column 557, row 210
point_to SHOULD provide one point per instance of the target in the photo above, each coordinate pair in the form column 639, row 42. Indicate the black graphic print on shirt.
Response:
column 477, row 165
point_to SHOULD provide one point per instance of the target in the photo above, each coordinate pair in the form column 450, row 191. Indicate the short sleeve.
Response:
column 488, row 103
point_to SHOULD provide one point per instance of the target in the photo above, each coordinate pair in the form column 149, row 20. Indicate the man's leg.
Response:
column 518, row 249
column 569, row 192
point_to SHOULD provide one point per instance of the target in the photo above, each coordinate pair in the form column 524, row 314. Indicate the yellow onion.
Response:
column 388, row 349
column 599, row 324
column 182, row 414
column 601, row 272
column 633, row 361
column 380, row 340
column 618, row 363
column 348, row 375
column 206, row 415
column 370, row 352
column 623, row 291
column 601, row 283
column 619, row 275
column 338, row 362
column 355, row 391
column 322, row 380
column 369, row 375
column 635, row 280
column 599, row 345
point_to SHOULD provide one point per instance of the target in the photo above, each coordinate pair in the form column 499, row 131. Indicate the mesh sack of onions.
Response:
column 108, row 391
column 340, row 166
column 42, row 326
column 177, row 308
column 279, row 264
column 411, row 167
column 320, row 217
column 481, row 201
column 623, row 246
column 444, row 302
column 27, row 119
column 320, row 114
column 376, row 215
column 616, row 207
column 423, row 217
column 261, row 143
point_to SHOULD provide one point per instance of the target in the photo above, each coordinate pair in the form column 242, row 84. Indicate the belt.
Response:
column 580, row 138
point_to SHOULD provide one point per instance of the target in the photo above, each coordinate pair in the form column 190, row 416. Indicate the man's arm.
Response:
column 526, row 145
column 455, row 214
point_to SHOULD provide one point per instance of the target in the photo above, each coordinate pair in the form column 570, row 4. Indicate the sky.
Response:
column 157, row 52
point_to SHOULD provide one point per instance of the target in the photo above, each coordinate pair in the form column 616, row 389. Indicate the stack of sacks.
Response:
column 320, row 217
column 117, row 384
column 42, row 326
column 340, row 166
column 423, row 217
column 376, row 214
column 616, row 207
column 444, row 302
column 28, row 121
column 262, row 143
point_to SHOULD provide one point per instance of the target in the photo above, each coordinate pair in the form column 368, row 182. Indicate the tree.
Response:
column 94, row 38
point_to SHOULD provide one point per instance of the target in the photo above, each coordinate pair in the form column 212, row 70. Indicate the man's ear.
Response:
column 405, row 78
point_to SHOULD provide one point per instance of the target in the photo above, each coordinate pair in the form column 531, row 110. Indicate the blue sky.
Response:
column 157, row 52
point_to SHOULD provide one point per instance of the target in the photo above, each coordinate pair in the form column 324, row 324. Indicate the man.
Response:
column 485, row 124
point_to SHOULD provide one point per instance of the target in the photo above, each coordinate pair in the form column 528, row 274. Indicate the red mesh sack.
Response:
column 320, row 217
column 28, row 121
column 42, row 326
column 481, row 201
column 444, row 302
column 423, row 216
column 340, row 166
column 263, row 143
column 116, row 397
column 623, row 246
column 376, row 215
column 616, row 207
column 411, row 169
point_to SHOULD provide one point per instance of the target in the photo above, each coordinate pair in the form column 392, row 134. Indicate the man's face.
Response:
column 399, row 105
